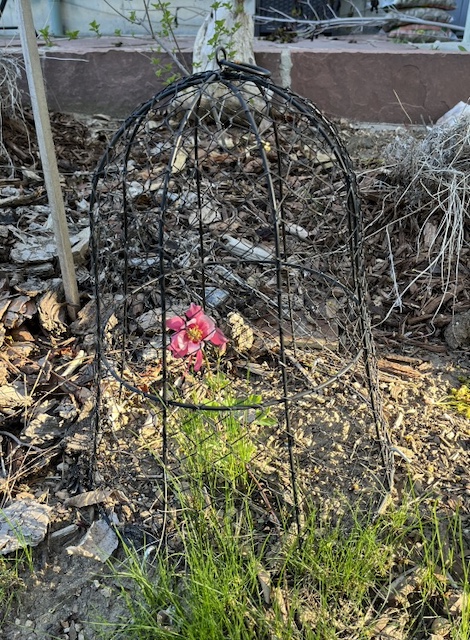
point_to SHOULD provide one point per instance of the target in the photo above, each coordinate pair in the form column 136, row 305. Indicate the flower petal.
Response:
column 179, row 344
column 175, row 323
column 206, row 325
column 218, row 339
column 198, row 361
column 194, row 346
column 194, row 310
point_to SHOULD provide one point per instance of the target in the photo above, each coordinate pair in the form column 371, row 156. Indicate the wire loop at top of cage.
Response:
column 223, row 61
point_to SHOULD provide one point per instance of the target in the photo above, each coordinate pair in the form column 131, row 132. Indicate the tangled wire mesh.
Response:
column 227, row 250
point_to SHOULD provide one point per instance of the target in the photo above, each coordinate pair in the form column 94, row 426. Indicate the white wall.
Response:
column 77, row 15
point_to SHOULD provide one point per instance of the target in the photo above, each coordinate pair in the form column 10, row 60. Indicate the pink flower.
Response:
column 191, row 334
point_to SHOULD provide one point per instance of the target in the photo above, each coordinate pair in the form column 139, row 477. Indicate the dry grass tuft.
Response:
column 10, row 105
column 433, row 175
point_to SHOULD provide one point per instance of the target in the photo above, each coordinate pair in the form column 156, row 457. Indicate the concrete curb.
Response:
column 366, row 78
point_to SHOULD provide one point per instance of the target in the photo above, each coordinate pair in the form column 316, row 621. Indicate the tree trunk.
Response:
column 228, row 26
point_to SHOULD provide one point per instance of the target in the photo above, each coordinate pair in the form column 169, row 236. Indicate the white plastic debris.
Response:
column 99, row 542
column 461, row 109
column 216, row 296
column 245, row 249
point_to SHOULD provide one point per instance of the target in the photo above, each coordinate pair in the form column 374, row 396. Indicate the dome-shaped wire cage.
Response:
column 227, row 253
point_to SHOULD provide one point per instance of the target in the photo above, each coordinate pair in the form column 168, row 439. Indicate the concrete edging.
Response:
column 367, row 79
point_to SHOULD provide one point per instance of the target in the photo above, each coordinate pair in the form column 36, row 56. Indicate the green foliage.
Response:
column 167, row 20
column 222, row 34
column 221, row 447
column 165, row 71
column 232, row 577
column 94, row 27
column 46, row 35
column 11, row 584
column 339, row 566
column 163, row 36
column 167, row 23
column 72, row 35
column 208, row 589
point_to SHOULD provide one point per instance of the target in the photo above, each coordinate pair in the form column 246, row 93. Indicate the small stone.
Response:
column 106, row 591
column 441, row 626
column 135, row 189
column 457, row 333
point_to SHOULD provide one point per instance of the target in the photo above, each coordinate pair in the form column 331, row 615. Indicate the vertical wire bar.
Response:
column 162, row 278
column 272, row 202
column 360, row 285
column 199, row 199
column 283, row 228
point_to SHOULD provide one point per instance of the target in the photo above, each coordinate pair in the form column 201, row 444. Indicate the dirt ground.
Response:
column 67, row 595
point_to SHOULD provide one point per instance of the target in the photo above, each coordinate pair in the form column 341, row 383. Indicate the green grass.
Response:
column 11, row 584
column 12, row 566
column 207, row 588
column 221, row 578
column 221, row 573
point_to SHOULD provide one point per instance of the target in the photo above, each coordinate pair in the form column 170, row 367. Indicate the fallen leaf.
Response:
column 43, row 427
column 88, row 498
column 11, row 397
column 265, row 582
column 52, row 313
column 19, row 309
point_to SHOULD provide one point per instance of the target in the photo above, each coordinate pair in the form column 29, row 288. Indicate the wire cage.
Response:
column 227, row 253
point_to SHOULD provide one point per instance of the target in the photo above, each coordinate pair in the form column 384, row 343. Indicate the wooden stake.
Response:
column 48, row 155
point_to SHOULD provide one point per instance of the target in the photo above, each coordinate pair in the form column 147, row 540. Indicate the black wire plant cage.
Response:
column 230, row 289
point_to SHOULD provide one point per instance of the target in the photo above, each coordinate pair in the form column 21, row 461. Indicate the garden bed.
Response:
column 46, row 364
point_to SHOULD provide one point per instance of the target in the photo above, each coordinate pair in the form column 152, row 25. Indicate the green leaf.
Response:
column 265, row 420
column 95, row 28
